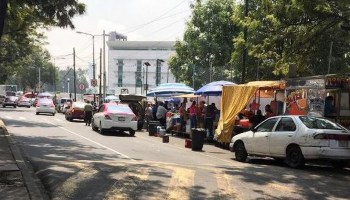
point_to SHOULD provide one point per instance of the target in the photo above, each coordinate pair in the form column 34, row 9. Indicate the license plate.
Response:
column 343, row 143
column 121, row 118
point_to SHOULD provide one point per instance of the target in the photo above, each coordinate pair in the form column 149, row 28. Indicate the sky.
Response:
column 139, row 20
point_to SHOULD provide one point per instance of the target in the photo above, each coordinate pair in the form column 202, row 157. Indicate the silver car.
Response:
column 45, row 106
column 295, row 139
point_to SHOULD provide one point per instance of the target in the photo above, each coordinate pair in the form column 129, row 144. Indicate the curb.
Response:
column 34, row 186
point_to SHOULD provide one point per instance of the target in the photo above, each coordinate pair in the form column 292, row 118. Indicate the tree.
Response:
column 207, row 42
column 298, row 32
column 21, row 32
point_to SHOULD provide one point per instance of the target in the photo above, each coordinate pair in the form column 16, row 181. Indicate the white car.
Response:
column 295, row 139
column 45, row 105
column 114, row 116
column 24, row 102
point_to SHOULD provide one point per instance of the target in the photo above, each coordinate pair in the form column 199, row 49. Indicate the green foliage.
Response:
column 207, row 40
column 21, row 41
column 298, row 32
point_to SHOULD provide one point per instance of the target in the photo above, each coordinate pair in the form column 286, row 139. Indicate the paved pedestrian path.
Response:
column 17, row 180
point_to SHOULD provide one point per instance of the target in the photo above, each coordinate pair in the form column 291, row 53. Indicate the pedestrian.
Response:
column 193, row 111
column 210, row 115
column 154, row 111
column 161, row 114
column 148, row 113
column 268, row 111
column 201, row 114
column 256, row 119
column 88, row 113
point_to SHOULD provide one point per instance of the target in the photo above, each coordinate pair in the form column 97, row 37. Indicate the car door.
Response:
column 99, row 115
column 283, row 135
column 260, row 138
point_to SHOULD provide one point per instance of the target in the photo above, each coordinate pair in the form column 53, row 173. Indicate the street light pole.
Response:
column 39, row 81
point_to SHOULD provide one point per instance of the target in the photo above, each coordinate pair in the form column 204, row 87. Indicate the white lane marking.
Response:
column 9, row 117
column 101, row 145
column 22, row 118
column 59, row 120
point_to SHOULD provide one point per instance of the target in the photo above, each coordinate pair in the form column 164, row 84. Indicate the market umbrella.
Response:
column 213, row 88
column 169, row 90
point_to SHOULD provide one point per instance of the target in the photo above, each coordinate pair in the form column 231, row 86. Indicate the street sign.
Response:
column 94, row 82
column 81, row 86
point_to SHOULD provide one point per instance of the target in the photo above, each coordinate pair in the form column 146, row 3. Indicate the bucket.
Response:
column 165, row 139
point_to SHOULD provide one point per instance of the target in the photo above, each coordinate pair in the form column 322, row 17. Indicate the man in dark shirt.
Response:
column 257, row 119
column 210, row 115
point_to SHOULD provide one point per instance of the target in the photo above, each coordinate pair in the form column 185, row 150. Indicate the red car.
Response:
column 76, row 111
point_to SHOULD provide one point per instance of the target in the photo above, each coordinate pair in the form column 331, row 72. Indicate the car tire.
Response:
column 294, row 157
column 71, row 119
column 28, row 106
column 131, row 132
column 240, row 152
column 14, row 106
column 94, row 128
column 37, row 113
column 53, row 114
column 102, row 131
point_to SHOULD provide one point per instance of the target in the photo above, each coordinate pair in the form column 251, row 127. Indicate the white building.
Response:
column 133, row 64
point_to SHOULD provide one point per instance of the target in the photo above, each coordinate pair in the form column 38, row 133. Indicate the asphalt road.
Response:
column 74, row 162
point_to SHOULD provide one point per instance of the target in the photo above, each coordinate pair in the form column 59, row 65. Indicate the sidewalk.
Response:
column 17, row 179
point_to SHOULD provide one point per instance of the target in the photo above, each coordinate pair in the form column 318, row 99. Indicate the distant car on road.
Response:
column 61, row 104
column 76, row 111
column 24, row 102
column 295, row 139
column 10, row 101
column 114, row 116
column 45, row 105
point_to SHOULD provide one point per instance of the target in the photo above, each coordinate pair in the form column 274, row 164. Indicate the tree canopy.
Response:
column 20, row 35
column 280, row 33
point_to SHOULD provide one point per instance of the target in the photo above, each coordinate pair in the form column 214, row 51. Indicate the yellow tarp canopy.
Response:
column 187, row 96
column 234, row 99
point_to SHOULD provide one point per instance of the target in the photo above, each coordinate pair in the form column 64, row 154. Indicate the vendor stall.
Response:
column 234, row 99
column 327, row 96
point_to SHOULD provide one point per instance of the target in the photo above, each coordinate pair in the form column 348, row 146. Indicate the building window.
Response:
column 138, row 77
column 120, row 73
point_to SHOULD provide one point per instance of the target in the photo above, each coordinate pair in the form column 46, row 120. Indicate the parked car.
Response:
column 45, row 105
column 295, row 139
column 114, row 116
column 10, row 101
column 24, row 102
column 76, row 111
column 137, row 103
column 61, row 104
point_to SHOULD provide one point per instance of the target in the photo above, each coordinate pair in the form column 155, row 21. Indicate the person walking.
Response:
column 88, row 113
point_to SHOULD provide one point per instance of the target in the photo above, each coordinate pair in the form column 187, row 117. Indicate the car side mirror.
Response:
column 253, row 129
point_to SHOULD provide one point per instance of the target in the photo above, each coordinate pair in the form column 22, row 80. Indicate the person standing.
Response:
column 256, row 119
column 193, row 111
column 148, row 113
column 210, row 115
column 161, row 114
column 268, row 111
column 88, row 113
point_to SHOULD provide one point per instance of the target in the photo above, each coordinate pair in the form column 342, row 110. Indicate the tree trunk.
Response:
column 3, row 8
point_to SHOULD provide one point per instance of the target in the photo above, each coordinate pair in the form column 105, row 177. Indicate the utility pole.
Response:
column 100, row 86
column 329, row 58
column 75, row 88
column 104, row 66
column 245, row 43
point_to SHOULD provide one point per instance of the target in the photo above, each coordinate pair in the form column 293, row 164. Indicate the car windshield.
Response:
column 45, row 101
column 78, row 105
column 119, row 108
column 319, row 123
column 65, row 100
